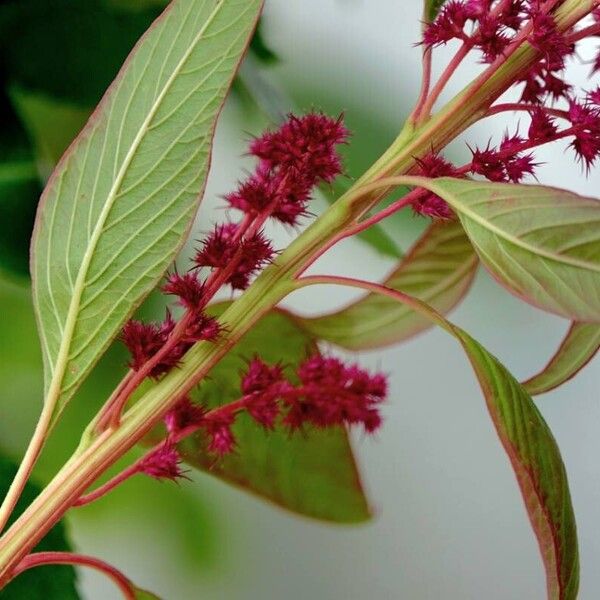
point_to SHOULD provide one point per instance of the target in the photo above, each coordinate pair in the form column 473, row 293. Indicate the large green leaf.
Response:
column 312, row 473
column 47, row 582
column 579, row 346
column 120, row 202
column 438, row 270
column 542, row 243
column 528, row 441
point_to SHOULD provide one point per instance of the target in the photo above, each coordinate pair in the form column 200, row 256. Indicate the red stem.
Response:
column 591, row 31
column 515, row 106
column 105, row 488
column 70, row 558
column 425, row 83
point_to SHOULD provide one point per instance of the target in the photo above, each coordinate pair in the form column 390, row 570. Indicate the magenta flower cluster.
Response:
column 323, row 392
column 292, row 160
column 556, row 109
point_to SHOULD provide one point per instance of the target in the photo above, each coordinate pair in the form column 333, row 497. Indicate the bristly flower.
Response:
column 188, row 288
column 219, row 247
column 334, row 394
column 144, row 340
column 163, row 463
column 543, row 127
column 218, row 428
column 431, row 205
column 304, row 144
column 183, row 415
column 259, row 377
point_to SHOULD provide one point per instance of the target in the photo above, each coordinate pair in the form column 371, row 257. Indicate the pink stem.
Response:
column 362, row 225
column 425, row 83
column 515, row 106
column 70, row 558
column 438, row 88
column 591, row 31
column 103, row 489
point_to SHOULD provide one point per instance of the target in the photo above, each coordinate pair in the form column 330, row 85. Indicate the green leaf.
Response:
column 439, row 270
column 432, row 8
column 120, row 203
column 542, row 243
column 538, row 466
column 313, row 473
column 577, row 348
column 528, row 441
column 47, row 582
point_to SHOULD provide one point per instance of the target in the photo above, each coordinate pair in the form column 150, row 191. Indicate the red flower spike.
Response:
column 256, row 253
column 260, row 377
column 264, row 409
column 163, row 463
column 519, row 166
column 202, row 328
column 218, row 248
column 491, row 39
column 143, row 340
column 185, row 414
column 594, row 97
column 489, row 164
column 333, row 394
column 221, row 438
column 543, row 127
column 305, row 144
column 189, row 289
column 260, row 191
column 448, row 25
column 430, row 205
column 476, row 9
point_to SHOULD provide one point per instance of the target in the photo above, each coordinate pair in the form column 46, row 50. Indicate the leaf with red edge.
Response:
column 541, row 243
column 312, row 472
column 578, row 347
column 537, row 464
column 528, row 441
column 122, row 199
column 439, row 270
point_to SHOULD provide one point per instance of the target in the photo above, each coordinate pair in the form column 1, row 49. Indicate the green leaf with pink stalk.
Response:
column 529, row 443
column 579, row 346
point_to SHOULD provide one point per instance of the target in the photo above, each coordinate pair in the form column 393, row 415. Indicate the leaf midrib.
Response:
column 536, row 250
column 71, row 320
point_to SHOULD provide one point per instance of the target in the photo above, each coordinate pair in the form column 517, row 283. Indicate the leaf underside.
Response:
column 538, row 466
column 532, row 450
column 312, row 472
column 121, row 200
column 438, row 270
column 541, row 243
column 578, row 347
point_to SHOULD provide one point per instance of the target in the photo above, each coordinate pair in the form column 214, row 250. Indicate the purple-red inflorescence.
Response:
column 324, row 392
column 557, row 110
column 162, row 463
column 292, row 160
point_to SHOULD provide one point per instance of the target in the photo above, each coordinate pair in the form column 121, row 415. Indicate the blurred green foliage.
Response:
column 40, row 583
